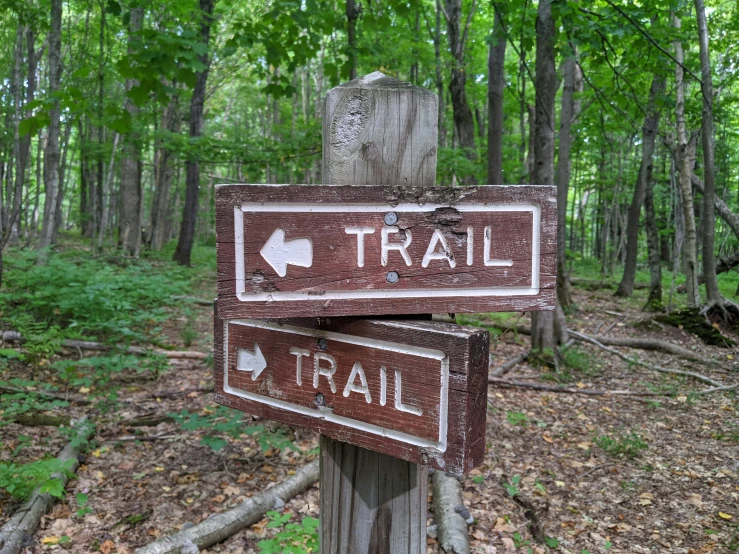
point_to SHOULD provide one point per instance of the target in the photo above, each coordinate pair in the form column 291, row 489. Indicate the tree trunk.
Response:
column 573, row 83
column 129, row 233
column 51, row 154
column 14, row 219
column 654, row 301
column 686, row 155
column 352, row 14
column 192, row 180
column 548, row 328
column 464, row 123
column 160, row 208
column 649, row 134
column 496, row 86
column 708, row 221
column 59, row 211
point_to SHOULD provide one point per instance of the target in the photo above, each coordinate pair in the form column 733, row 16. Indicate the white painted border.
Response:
column 242, row 295
column 441, row 357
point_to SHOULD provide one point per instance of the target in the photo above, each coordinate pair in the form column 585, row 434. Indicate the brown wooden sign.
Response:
column 411, row 389
column 317, row 250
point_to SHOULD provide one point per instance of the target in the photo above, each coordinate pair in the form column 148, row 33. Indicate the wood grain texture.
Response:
column 467, row 230
column 378, row 130
column 377, row 502
column 450, row 386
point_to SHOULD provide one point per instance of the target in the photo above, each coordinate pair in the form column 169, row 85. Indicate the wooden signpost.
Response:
column 391, row 398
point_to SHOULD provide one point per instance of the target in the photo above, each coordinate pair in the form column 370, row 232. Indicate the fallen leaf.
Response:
column 107, row 546
column 547, row 438
column 645, row 498
column 230, row 490
column 50, row 540
column 510, row 546
column 84, row 390
column 723, row 515
column 585, row 445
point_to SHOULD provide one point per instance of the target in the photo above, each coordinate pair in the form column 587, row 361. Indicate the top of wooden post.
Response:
column 378, row 130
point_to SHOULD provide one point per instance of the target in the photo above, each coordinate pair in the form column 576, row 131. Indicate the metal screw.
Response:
column 322, row 344
column 391, row 218
column 392, row 277
column 319, row 399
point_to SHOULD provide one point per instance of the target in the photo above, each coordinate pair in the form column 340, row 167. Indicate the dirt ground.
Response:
column 619, row 474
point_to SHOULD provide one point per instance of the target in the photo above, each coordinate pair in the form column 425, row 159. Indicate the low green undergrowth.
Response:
column 295, row 538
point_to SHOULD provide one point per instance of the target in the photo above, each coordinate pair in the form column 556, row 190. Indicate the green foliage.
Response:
column 20, row 480
column 628, row 445
column 226, row 422
column 295, row 538
column 512, row 487
column 519, row 419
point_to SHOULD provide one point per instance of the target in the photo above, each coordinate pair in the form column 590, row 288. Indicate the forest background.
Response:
column 119, row 118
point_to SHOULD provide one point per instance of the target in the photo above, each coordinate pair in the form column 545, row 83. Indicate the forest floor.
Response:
column 626, row 474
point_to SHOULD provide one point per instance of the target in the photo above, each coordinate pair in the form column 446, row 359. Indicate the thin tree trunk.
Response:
column 352, row 14
column 107, row 190
column 686, row 155
column 573, row 83
column 51, row 155
column 708, row 221
column 160, row 207
column 20, row 159
column 496, row 86
column 129, row 235
column 464, row 123
column 649, row 135
column 58, row 211
column 190, row 212
column 548, row 328
column 654, row 301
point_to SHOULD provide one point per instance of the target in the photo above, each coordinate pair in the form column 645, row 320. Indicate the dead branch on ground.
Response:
column 448, row 513
column 23, row 523
column 219, row 527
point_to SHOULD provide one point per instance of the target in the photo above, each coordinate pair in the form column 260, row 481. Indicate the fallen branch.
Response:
column 49, row 395
column 651, row 344
column 637, row 361
column 41, row 420
column 509, row 364
column 448, row 512
column 21, row 526
column 14, row 336
column 219, row 527
column 535, row 526
column 569, row 390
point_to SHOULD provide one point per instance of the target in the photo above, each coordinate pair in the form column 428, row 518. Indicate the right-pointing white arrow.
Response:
column 251, row 361
column 278, row 253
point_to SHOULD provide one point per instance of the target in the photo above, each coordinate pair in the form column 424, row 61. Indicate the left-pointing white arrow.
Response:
column 251, row 361
column 279, row 253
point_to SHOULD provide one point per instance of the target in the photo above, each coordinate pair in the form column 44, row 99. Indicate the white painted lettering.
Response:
column 400, row 247
column 399, row 402
column 383, row 385
column 432, row 254
column 327, row 372
column 470, row 237
column 362, row 388
column 360, row 232
column 488, row 261
column 299, row 353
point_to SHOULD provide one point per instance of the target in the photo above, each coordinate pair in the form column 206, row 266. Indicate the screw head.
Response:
column 392, row 277
column 322, row 344
column 320, row 401
column 391, row 218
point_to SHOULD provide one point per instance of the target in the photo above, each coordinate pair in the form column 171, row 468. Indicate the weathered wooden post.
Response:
column 389, row 397
column 376, row 131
